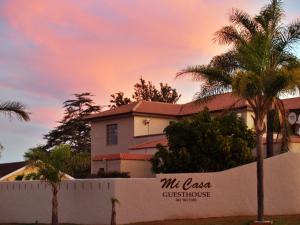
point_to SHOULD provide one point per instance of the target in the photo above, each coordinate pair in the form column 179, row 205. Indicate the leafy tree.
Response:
column 31, row 176
column 118, row 99
column 80, row 165
column 75, row 131
column 146, row 91
column 258, row 67
column 19, row 177
column 205, row 144
column 51, row 166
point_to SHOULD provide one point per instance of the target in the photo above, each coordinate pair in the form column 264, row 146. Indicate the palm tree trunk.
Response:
column 113, row 214
column 260, row 172
column 270, row 130
column 54, row 205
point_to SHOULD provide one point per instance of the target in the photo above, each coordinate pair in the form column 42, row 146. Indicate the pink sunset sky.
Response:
column 52, row 49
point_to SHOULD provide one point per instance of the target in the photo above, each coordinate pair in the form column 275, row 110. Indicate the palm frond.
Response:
column 207, row 74
column 228, row 35
column 243, row 20
column 288, row 60
column 270, row 16
column 52, row 164
column 209, row 92
column 227, row 61
column 287, row 37
column 17, row 109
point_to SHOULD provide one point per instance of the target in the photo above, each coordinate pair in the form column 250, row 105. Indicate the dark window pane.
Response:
column 112, row 134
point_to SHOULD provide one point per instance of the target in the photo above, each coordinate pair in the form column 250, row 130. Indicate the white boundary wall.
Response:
column 231, row 193
column 80, row 201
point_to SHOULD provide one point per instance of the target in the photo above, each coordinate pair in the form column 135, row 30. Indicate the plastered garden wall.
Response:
column 171, row 196
column 231, row 193
column 80, row 202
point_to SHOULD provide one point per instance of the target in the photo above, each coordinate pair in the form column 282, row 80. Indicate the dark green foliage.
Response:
column 51, row 165
column 73, row 129
column 146, row 91
column 205, row 144
column 80, row 165
column 32, row 176
column 19, row 177
column 75, row 132
column 118, row 99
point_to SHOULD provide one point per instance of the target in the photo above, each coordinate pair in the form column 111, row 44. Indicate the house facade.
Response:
column 124, row 139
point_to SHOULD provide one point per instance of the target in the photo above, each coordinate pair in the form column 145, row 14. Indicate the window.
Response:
column 112, row 134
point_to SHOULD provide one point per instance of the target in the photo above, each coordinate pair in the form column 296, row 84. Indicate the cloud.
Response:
column 51, row 49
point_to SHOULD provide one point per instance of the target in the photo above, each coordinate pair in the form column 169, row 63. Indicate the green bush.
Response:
column 19, row 177
column 205, row 144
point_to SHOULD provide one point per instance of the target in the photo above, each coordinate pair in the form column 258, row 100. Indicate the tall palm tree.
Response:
column 51, row 166
column 17, row 109
column 258, row 67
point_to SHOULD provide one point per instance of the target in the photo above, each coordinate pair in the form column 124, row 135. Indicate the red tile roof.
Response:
column 291, row 103
column 122, row 156
column 221, row 102
column 150, row 144
column 117, row 111
column 143, row 107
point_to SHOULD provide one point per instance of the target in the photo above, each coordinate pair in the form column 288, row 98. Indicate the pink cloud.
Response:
column 51, row 49
column 76, row 49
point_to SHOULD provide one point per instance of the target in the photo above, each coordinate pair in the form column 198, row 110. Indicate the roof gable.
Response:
column 7, row 168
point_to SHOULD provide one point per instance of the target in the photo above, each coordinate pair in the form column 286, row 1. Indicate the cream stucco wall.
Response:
column 293, row 147
column 156, row 125
column 137, row 168
column 150, row 151
column 108, row 166
column 98, row 136
column 126, row 137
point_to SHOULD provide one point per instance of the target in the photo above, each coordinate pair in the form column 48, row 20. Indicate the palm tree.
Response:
column 113, row 210
column 17, row 109
column 258, row 67
column 50, row 167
